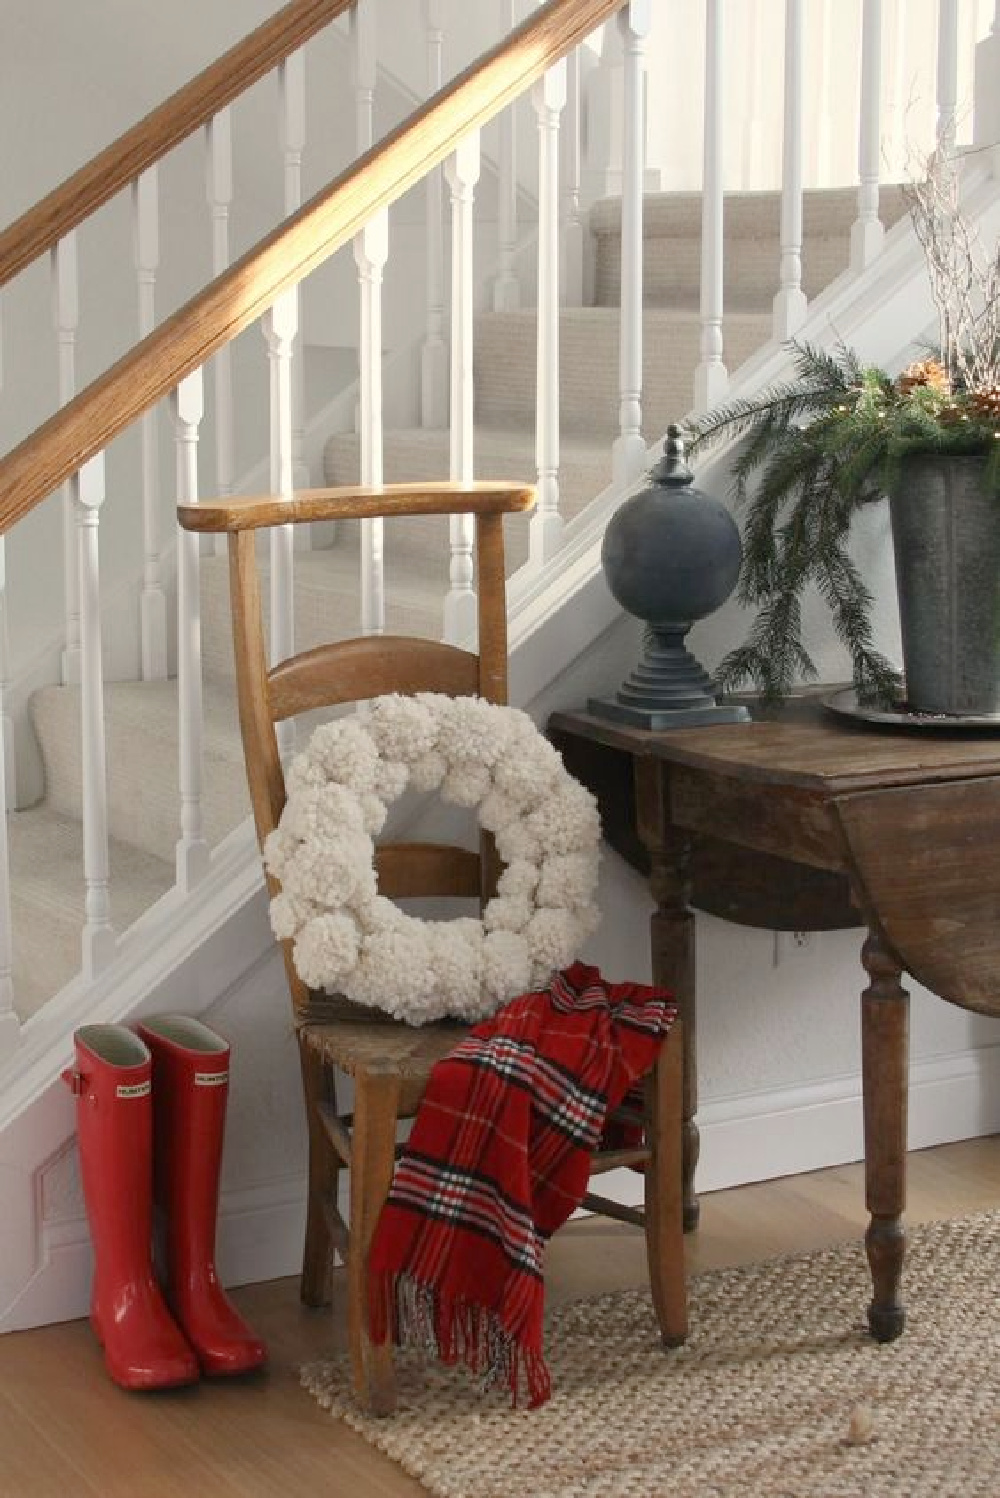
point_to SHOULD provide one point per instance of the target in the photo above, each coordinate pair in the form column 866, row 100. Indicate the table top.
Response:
column 803, row 744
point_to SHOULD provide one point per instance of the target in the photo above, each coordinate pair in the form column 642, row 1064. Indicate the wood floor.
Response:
column 66, row 1432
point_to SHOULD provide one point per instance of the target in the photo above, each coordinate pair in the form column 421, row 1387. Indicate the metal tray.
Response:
column 846, row 705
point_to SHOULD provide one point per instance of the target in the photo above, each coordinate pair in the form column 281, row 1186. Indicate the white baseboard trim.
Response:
column 749, row 1137
column 259, row 1237
column 758, row 1136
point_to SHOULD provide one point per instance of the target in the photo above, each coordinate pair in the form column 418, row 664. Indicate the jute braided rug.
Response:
column 779, row 1392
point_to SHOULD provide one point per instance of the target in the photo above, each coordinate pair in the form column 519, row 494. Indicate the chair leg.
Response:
column 315, row 1287
column 376, row 1104
column 665, row 1190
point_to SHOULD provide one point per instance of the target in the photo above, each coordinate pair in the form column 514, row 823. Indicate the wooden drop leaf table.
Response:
column 802, row 821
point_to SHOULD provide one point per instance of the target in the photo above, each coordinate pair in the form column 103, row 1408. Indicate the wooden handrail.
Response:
column 241, row 294
column 249, row 512
column 166, row 126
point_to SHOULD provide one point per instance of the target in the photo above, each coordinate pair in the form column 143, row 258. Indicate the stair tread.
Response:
column 756, row 214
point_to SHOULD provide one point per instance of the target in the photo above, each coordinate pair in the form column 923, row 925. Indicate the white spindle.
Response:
column 896, row 37
column 98, row 935
column 152, row 600
column 8, row 755
column 572, row 225
column 947, row 74
column 827, row 96
column 66, row 309
column 363, row 73
column 867, row 233
column 187, row 407
column 549, row 98
column 507, row 287
column 629, row 451
column 280, row 324
column 462, row 173
column 790, row 302
column 434, row 353
column 986, row 103
column 10, row 1028
column 371, row 250
column 711, row 377
column 219, row 189
column 292, row 74
column 753, row 157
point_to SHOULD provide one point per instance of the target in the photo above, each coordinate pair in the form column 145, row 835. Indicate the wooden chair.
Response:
column 390, row 1062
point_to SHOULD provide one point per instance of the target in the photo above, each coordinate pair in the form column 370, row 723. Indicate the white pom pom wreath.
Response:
column 347, row 938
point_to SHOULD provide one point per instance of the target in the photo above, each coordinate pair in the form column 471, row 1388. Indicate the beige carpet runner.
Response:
column 779, row 1392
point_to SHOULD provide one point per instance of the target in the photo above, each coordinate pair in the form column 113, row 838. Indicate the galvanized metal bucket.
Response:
column 946, row 540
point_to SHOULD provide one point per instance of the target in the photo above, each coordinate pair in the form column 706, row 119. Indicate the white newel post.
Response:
column 867, row 232
column 292, row 76
column 152, row 600
column 87, row 488
column 947, row 74
column 10, row 1028
column 462, row 173
column 711, row 378
column 507, row 287
column 571, row 170
column 187, row 407
column 790, row 302
column 628, row 456
column 986, row 108
column 66, row 313
column 219, row 189
column 434, row 352
column 280, row 323
column 549, row 98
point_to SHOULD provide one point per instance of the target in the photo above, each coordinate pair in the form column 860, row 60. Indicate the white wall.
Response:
column 753, row 88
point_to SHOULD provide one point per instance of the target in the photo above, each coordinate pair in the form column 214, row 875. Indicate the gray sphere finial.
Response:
column 672, row 468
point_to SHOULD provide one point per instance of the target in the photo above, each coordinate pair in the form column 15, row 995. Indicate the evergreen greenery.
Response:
column 812, row 452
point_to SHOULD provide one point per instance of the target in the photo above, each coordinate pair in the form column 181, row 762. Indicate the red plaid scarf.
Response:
column 498, row 1158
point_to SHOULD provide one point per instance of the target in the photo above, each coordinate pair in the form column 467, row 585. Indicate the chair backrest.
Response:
column 354, row 670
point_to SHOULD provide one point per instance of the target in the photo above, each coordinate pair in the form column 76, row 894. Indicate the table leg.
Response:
column 671, row 938
column 884, row 1071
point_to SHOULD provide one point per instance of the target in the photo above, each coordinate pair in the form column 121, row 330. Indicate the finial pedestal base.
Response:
column 667, row 689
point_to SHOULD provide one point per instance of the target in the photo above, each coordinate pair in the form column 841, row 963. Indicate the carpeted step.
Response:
column 141, row 727
column 589, row 362
column 48, row 894
column 500, row 453
column 672, row 244
column 327, row 599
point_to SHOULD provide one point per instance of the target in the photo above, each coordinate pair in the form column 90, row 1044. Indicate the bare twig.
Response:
column 964, row 276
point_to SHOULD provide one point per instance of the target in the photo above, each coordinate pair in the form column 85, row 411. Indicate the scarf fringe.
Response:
column 456, row 1330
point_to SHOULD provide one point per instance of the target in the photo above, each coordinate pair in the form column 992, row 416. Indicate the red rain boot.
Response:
column 190, row 1087
column 143, row 1346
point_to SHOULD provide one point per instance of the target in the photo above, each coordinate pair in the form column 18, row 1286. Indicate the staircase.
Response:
column 142, row 717
column 558, row 603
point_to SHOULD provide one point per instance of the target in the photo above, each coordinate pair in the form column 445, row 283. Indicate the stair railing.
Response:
column 68, row 449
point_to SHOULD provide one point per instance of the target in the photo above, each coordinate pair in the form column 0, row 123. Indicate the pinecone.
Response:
column 929, row 372
column 985, row 403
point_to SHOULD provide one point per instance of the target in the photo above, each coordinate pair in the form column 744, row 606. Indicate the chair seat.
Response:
column 376, row 1043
